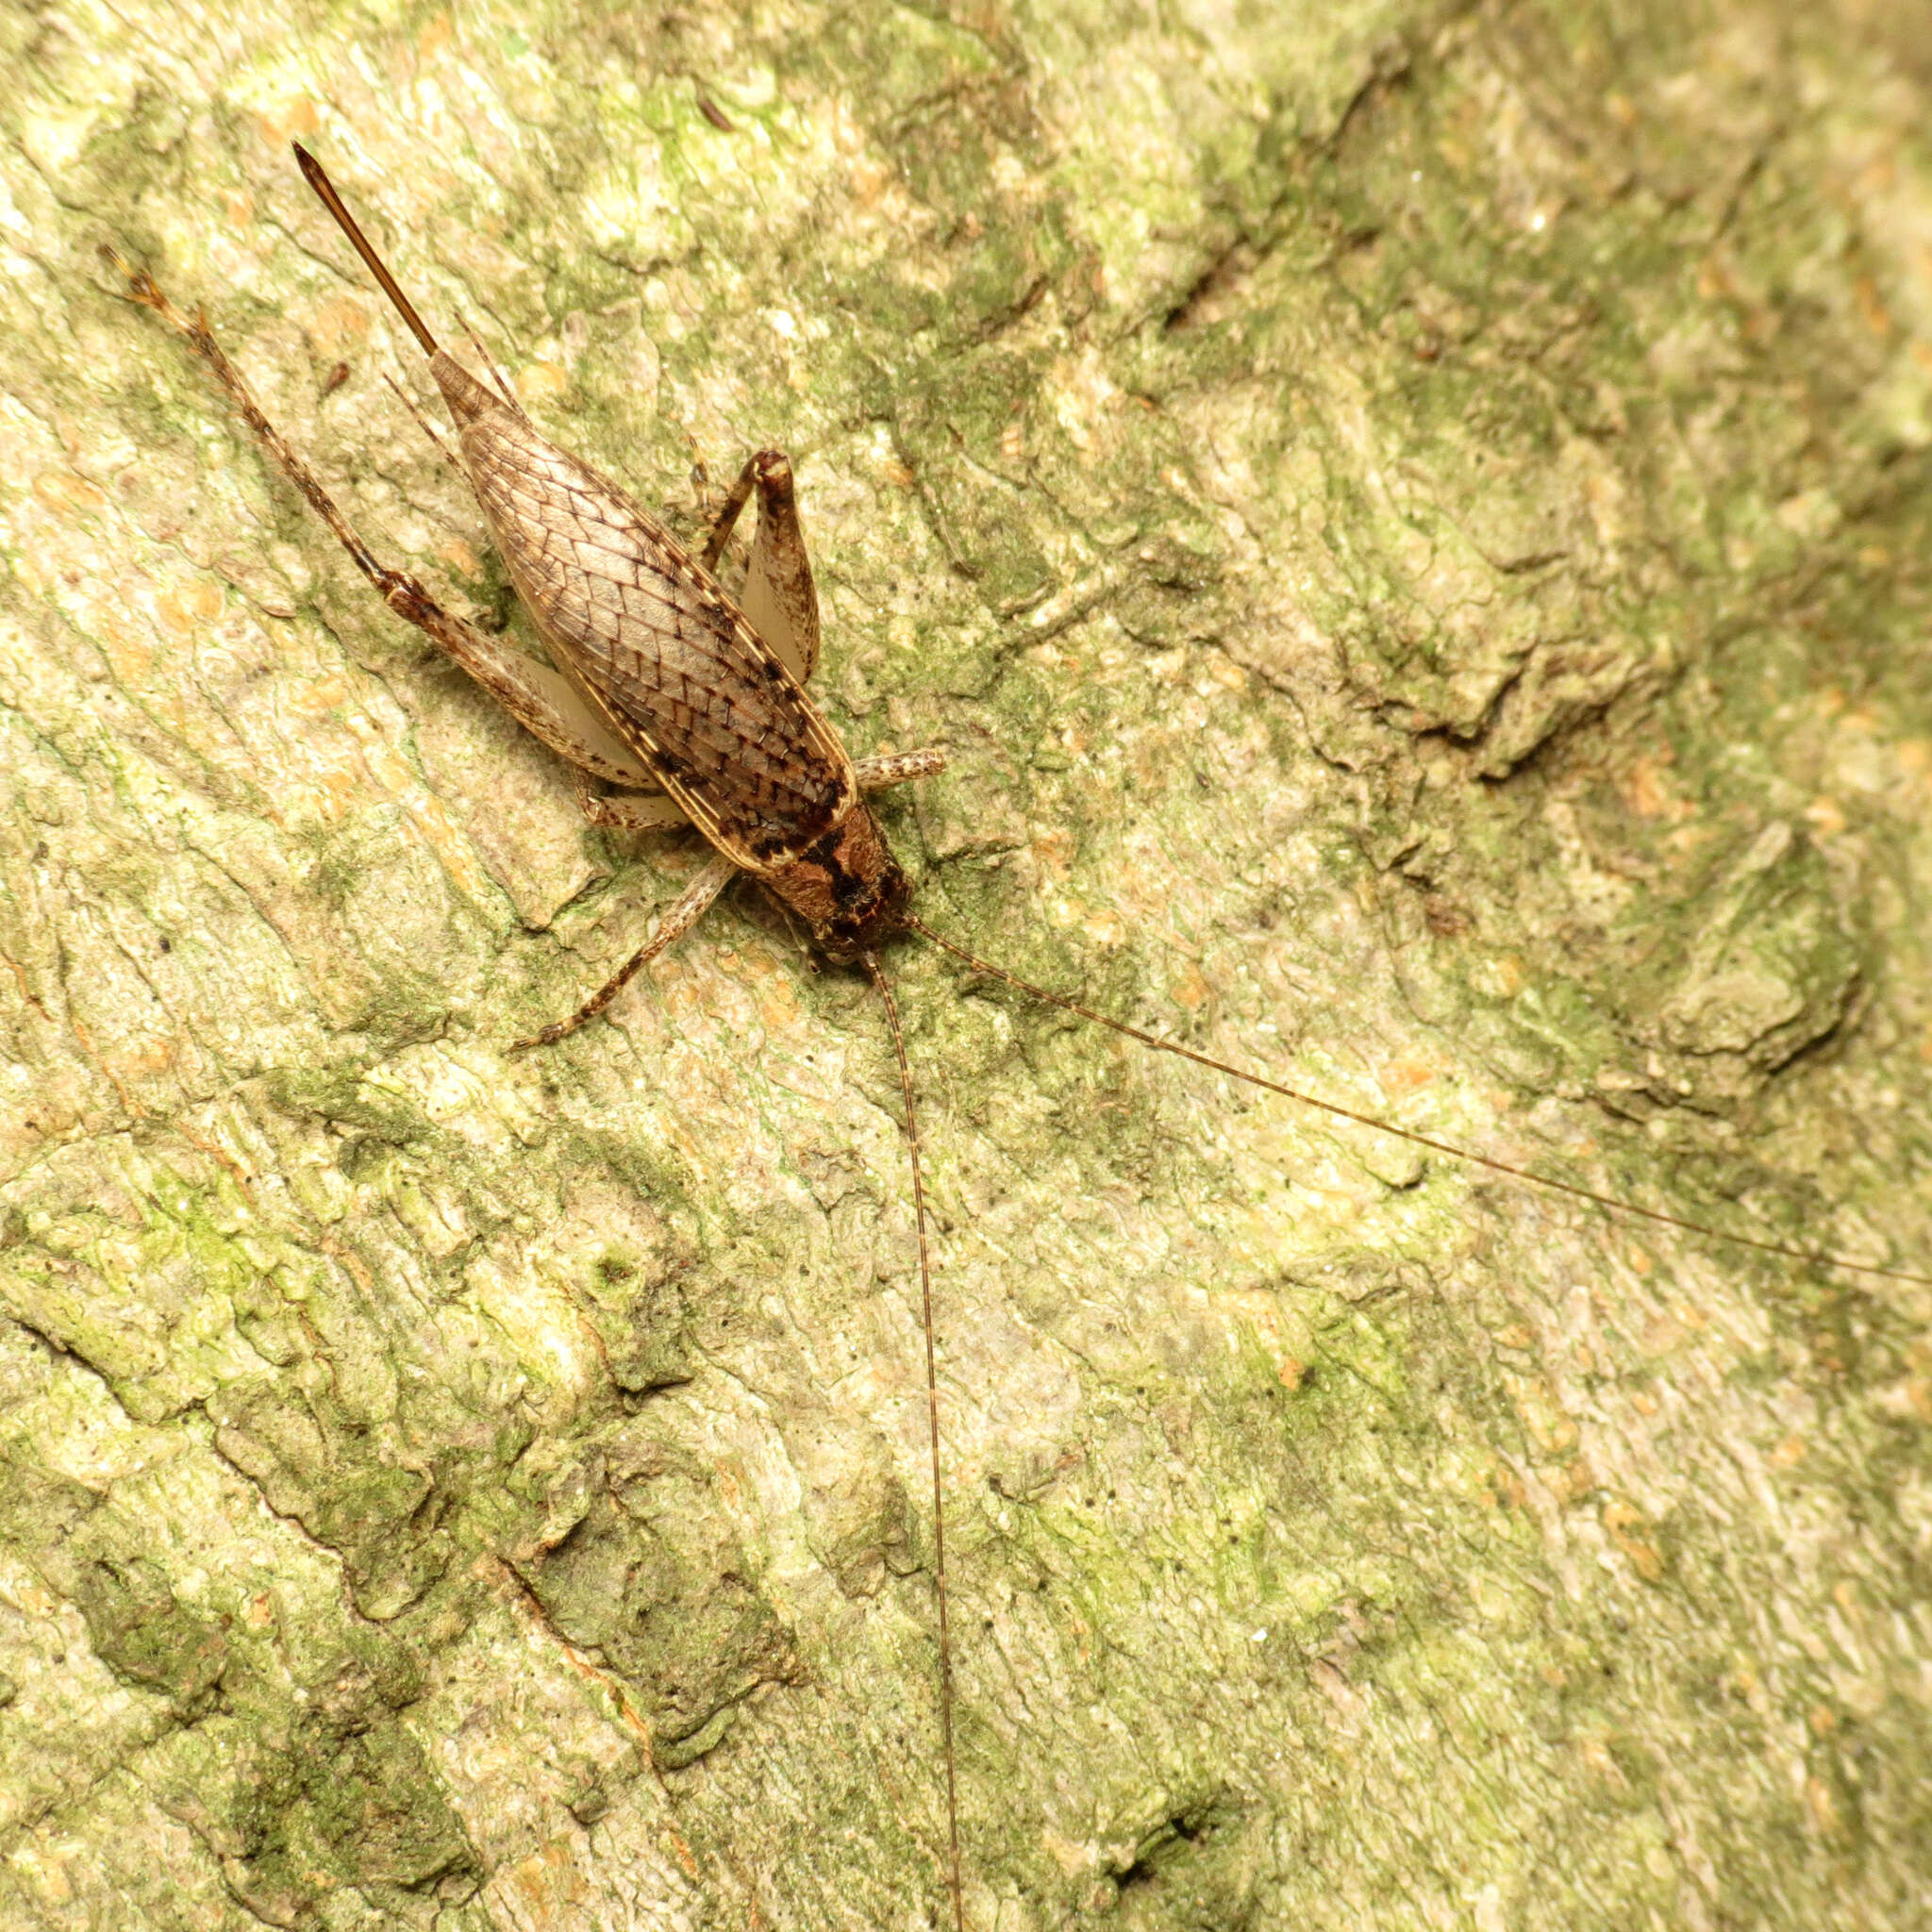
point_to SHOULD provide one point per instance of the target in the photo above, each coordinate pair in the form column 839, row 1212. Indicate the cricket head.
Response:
column 847, row 886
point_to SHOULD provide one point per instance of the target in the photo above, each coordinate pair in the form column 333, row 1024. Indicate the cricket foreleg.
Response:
column 678, row 919
column 537, row 697
column 533, row 694
column 779, row 597
column 897, row 767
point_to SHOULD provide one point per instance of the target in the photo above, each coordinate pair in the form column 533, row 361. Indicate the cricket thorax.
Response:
column 848, row 885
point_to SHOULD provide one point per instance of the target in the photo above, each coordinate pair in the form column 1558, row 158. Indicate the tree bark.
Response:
column 1413, row 524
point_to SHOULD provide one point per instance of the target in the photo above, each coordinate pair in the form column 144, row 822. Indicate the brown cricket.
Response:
column 693, row 705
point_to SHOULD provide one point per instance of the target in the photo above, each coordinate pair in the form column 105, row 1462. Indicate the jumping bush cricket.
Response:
column 696, row 705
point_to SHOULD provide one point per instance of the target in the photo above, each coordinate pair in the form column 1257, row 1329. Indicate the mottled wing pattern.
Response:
column 686, row 681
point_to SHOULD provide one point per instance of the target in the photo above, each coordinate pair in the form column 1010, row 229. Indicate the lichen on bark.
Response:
column 1412, row 521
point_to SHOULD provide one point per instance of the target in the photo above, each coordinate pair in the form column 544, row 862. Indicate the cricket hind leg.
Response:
column 489, row 361
column 676, row 919
column 426, row 426
column 780, row 596
column 538, row 698
column 726, row 519
column 637, row 811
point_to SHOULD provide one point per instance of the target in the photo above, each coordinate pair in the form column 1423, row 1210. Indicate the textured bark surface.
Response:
column 1414, row 522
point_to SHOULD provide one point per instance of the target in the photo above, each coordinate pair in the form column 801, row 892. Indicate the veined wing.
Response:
column 683, row 679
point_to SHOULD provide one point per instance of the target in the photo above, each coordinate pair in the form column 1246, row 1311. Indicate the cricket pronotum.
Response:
column 696, row 707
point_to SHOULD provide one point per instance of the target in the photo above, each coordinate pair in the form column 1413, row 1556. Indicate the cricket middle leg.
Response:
column 676, row 921
column 897, row 767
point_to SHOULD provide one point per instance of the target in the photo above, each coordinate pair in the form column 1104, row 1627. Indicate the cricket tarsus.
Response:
column 1784, row 1250
column 325, row 193
column 876, row 973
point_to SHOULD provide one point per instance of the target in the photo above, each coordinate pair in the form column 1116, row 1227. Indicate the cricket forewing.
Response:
column 674, row 665
column 707, row 704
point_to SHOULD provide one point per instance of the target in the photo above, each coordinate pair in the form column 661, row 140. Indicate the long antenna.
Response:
column 325, row 193
column 876, row 973
column 1813, row 1256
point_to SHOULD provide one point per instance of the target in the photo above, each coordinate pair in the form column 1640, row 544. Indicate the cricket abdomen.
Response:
column 665, row 651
